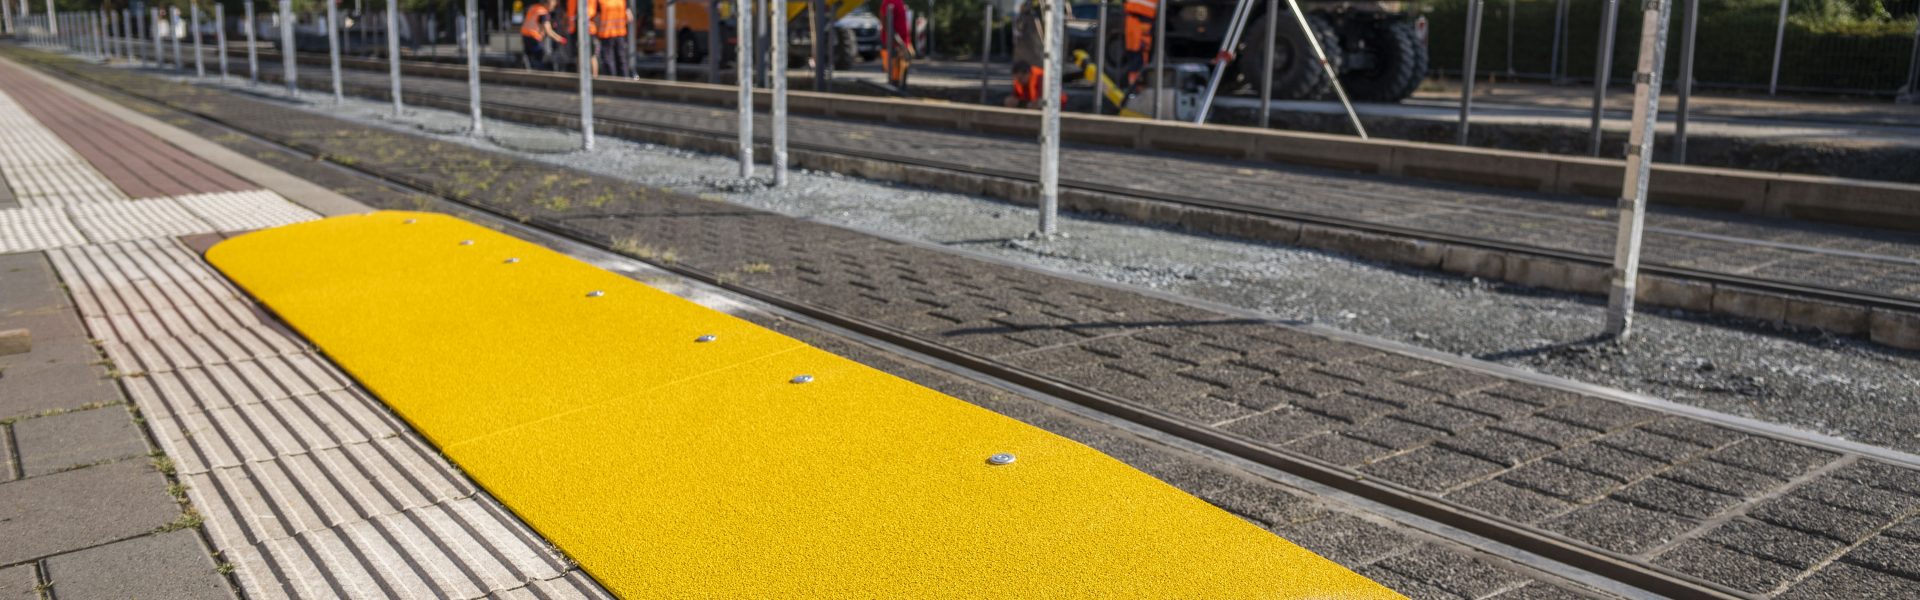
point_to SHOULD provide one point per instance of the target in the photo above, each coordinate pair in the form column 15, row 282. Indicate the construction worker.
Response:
column 570, row 21
column 610, row 33
column 895, row 53
column 536, row 28
column 1029, row 55
column 1139, row 40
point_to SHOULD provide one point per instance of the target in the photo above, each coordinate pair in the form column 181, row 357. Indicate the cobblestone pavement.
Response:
column 270, row 473
column 1843, row 258
column 1756, row 513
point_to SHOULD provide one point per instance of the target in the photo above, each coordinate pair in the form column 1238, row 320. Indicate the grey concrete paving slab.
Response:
column 167, row 565
column 25, row 391
column 19, row 582
column 59, row 442
column 77, row 509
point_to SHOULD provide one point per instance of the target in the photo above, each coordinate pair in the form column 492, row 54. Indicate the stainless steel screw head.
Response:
column 466, row 242
column 1000, row 459
column 596, row 294
column 512, row 260
column 801, row 379
column 705, row 338
column 408, row 222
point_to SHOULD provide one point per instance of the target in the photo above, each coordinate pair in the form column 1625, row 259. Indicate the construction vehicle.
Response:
column 1378, row 52
column 692, row 22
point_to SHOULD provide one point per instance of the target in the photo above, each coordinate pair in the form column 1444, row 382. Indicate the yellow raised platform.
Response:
column 673, row 467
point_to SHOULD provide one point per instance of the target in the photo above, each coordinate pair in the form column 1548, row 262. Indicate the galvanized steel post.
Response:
column 1686, row 81
column 393, row 55
column 1912, row 93
column 1779, row 46
column 1633, row 201
column 986, row 50
column 1602, row 68
column 153, row 28
column 1160, row 102
column 1510, row 19
column 1100, row 58
column 288, row 68
column 473, row 66
column 220, row 38
column 333, row 50
column 584, row 55
column 673, row 43
column 1559, row 35
column 1266, row 83
column 174, row 26
column 777, row 33
column 1050, row 119
column 743, row 67
column 823, row 35
column 1476, row 12
column 253, row 47
column 193, row 29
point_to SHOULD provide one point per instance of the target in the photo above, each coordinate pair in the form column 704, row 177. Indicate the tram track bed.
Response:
column 1425, row 431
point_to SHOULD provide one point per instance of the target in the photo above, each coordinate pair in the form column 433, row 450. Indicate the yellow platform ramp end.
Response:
column 747, row 465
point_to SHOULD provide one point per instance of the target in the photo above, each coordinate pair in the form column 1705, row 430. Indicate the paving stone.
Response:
column 168, row 565
column 1356, row 372
column 1452, row 382
column 1666, row 495
column 54, row 443
column 24, row 392
column 1447, row 571
column 1227, row 374
column 1889, row 555
column 1395, row 433
column 1282, row 425
column 1617, row 464
column 1431, row 469
column 1619, row 526
column 1445, row 418
column 1490, row 405
column 1401, row 363
column 1310, row 383
column 1651, row 445
column 80, row 508
column 1345, row 406
column 1540, row 591
column 1882, row 476
column 1338, row 449
column 1722, row 478
column 19, row 583
column 1817, row 517
column 1779, row 544
column 1498, row 446
column 1908, row 529
column 1559, row 480
column 1206, row 409
column 1858, row 497
column 1597, row 414
column 1772, row 457
column 1407, row 585
column 1505, row 500
column 1259, row 397
column 1552, row 432
column 1694, row 432
column 1200, row 354
column 1344, row 539
column 1397, row 394
column 1726, row 567
column 1055, row 359
column 1841, row 581
column 1264, row 502
column 1531, row 394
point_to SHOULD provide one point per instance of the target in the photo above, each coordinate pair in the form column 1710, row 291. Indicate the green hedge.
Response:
column 1829, row 46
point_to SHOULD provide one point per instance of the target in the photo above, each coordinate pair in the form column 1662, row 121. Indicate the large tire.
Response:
column 693, row 46
column 1297, row 75
column 1399, row 61
column 846, row 50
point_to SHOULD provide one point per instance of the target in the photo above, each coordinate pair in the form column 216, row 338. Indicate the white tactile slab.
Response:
column 307, row 484
column 24, row 229
column 136, row 219
column 242, row 211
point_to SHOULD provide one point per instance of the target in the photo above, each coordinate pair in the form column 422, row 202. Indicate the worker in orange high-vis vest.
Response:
column 571, row 21
column 610, row 34
column 1139, row 39
column 895, row 53
column 535, row 30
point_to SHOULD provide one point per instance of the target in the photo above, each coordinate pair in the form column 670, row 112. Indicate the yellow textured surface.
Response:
column 670, row 468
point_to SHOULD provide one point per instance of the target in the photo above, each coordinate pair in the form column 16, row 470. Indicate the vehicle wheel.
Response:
column 1296, row 75
column 1398, row 61
column 845, row 49
column 692, row 49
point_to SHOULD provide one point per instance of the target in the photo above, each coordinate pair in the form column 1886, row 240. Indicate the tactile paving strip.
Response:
column 308, row 486
column 24, row 229
column 136, row 219
column 241, row 211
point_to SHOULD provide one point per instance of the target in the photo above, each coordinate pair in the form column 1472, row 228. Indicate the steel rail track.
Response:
column 1855, row 297
column 1554, row 547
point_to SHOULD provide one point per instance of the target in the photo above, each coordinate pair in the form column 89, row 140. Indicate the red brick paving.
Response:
column 140, row 164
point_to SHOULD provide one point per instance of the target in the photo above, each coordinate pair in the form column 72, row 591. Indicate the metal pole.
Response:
column 1266, row 83
column 1242, row 9
column 778, row 32
column 584, row 58
column 1686, row 81
column 1476, row 12
column 633, row 50
column 823, row 35
column 153, row 27
column 713, row 41
column 333, row 50
column 253, row 48
column 125, row 19
column 1320, row 54
column 1160, row 62
column 287, row 66
column 1912, row 94
column 174, row 25
column 1050, row 118
column 1099, row 58
column 53, row 26
column 1633, row 201
column 743, row 67
column 673, row 43
column 6, row 13
column 193, row 29
column 393, row 55
column 1559, row 29
column 1510, row 20
column 1779, row 45
column 1602, row 68
column 473, row 66
column 220, row 38
column 986, row 50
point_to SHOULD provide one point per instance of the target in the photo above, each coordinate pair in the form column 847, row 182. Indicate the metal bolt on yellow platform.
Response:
column 667, row 448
